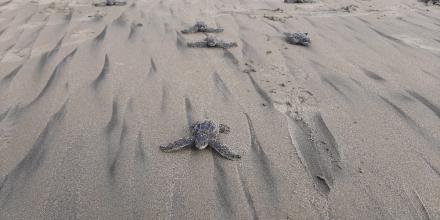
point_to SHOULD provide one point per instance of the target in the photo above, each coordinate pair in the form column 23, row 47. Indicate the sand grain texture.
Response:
column 347, row 128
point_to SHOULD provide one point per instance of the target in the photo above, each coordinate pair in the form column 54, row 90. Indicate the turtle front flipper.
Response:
column 224, row 129
column 118, row 3
column 177, row 145
column 110, row 3
column 225, row 45
column 223, row 150
column 101, row 4
column 190, row 30
column 214, row 30
column 198, row 44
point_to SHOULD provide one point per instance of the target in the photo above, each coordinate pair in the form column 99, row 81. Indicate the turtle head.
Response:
column 211, row 40
column 201, row 141
column 201, row 26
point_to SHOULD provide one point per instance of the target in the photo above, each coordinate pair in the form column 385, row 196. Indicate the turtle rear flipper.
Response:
column 223, row 150
column 177, row 145
column 225, row 45
column 213, row 30
column 101, row 4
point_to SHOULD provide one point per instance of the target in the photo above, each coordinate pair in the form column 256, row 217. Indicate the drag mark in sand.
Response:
column 377, row 203
column 425, row 102
column 140, row 152
column 29, row 165
column 104, row 71
column 180, row 41
column 101, row 35
column 311, row 156
column 428, row 16
column 28, row 18
column 153, row 68
column 115, row 159
column 331, row 84
column 273, row 27
column 431, row 74
column 319, row 149
column 411, row 122
column 357, row 82
column 164, row 100
column 401, row 113
column 189, row 111
column 221, row 86
column 260, row 91
column 3, row 30
column 248, row 196
column 223, row 189
column 421, row 210
column 6, row 50
column 49, row 54
column 32, row 38
column 114, row 148
column 68, row 16
column 433, row 168
column 120, row 21
column 5, row 3
column 133, row 30
column 413, row 24
column 389, row 37
column 4, row 83
column 113, row 119
column 364, row 21
column 332, row 81
column 263, row 164
column 60, row 66
column 372, row 75
column 230, row 56
column 327, row 141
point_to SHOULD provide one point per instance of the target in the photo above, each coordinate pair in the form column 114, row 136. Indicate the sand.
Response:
column 347, row 128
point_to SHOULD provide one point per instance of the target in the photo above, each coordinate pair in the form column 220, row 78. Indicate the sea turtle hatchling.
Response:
column 212, row 41
column 431, row 2
column 298, row 38
column 204, row 133
column 201, row 26
column 110, row 3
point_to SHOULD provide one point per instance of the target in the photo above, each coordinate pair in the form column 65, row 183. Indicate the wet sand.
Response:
column 347, row 128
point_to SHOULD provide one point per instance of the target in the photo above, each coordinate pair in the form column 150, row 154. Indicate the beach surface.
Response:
column 347, row 128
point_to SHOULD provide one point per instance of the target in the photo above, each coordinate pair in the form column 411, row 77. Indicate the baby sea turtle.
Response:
column 201, row 26
column 110, row 3
column 204, row 133
column 298, row 38
column 431, row 2
column 212, row 41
